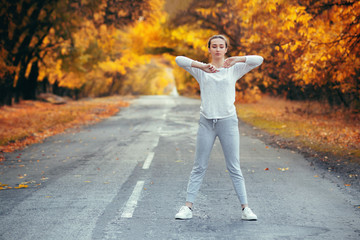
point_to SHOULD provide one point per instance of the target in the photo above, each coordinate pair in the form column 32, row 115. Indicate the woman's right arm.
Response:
column 186, row 62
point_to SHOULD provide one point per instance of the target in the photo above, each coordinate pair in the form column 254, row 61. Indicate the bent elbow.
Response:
column 254, row 60
column 259, row 60
column 182, row 61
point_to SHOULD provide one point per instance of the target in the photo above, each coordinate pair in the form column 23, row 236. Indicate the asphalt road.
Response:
column 126, row 177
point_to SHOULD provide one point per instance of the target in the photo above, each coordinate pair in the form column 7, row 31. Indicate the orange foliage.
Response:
column 87, row 46
column 99, row 56
column 305, row 44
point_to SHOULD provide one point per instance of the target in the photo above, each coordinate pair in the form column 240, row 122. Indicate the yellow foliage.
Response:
column 303, row 44
column 153, row 78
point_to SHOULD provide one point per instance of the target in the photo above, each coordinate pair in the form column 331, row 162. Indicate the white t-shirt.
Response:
column 218, row 89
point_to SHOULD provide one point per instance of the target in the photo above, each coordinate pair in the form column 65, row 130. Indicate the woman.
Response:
column 217, row 118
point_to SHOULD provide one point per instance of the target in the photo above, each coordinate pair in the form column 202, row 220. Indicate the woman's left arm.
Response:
column 231, row 61
column 252, row 60
column 242, row 65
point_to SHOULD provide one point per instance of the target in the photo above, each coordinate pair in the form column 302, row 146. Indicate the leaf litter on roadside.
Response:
column 6, row 186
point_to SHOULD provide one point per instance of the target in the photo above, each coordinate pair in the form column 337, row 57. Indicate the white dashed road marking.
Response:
column 133, row 199
column 148, row 160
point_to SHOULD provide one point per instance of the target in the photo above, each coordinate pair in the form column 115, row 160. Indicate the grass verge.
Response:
column 32, row 121
column 310, row 124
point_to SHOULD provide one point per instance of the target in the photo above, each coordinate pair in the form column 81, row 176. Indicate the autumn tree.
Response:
column 25, row 25
column 105, row 48
column 330, row 62
column 61, row 41
column 310, row 47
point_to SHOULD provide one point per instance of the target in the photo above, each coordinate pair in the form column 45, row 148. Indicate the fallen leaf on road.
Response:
column 266, row 169
column 4, row 186
column 283, row 169
column 21, row 186
column 316, row 176
column 28, row 182
column 347, row 185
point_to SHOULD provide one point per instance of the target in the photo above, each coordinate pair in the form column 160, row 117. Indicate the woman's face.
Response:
column 217, row 48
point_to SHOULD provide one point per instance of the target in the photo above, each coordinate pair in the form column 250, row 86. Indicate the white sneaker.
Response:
column 184, row 213
column 248, row 215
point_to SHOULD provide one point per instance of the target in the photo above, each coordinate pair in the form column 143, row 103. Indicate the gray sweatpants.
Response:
column 227, row 131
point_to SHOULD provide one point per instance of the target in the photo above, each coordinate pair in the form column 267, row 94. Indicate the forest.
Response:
column 94, row 48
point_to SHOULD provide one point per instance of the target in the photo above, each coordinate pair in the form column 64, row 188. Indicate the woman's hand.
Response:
column 206, row 67
column 209, row 68
column 229, row 62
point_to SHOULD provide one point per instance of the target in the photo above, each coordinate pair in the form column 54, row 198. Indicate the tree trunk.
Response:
column 6, row 90
column 30, row 84
column 19, row 86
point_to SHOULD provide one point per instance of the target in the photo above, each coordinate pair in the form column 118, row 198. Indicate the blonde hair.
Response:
column 218, row 36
